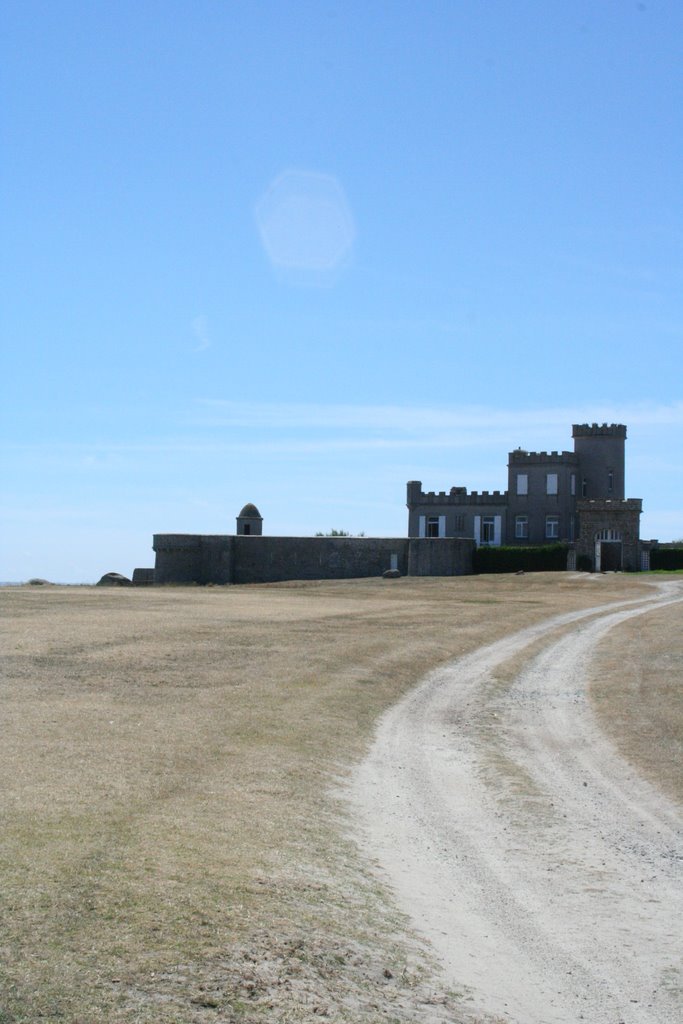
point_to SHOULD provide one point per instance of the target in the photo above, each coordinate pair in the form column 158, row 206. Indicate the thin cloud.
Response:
column 283, row 429
column 414, row 419
column 90, row 456
column 200, row 326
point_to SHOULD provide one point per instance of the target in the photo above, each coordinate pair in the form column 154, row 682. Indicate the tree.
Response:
column 339, row 533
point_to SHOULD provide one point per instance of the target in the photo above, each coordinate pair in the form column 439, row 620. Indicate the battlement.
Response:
column 520, row 456
column 607, row 504
column 599, row 430
column 456, row 496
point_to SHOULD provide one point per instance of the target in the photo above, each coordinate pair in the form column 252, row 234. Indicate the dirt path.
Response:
column 545, row 873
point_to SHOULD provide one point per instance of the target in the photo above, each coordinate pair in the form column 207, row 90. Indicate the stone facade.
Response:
column 609, row 537
column 572, row 496
column 453, row 514
column 143, row 577
column 193, row 558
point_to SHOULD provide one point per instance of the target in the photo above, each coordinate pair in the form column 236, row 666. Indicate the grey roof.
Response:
column 250, row 512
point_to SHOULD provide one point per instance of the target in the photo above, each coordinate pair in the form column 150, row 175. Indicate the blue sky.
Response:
column 298, row 253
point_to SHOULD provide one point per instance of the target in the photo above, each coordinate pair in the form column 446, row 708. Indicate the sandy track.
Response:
column 546, row 874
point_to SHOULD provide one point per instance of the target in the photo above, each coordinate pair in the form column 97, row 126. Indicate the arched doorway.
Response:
column 608, row 554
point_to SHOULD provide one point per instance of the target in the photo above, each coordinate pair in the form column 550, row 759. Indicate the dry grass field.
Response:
column 171, row 846
column 637, row 690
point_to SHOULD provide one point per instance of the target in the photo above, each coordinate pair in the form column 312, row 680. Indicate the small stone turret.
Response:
column 249, row 522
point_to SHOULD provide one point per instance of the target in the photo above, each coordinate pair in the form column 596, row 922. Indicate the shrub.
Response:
column 666, row 558
column 547, row 558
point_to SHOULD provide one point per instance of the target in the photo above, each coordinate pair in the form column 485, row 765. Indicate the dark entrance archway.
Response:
column 610, row 556
column 608, row 553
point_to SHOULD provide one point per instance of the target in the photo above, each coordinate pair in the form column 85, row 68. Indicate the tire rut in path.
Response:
column 546, row 873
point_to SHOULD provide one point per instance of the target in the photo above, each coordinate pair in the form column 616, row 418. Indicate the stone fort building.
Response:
column 249, row 557
column 572, row 496
column 576, row 497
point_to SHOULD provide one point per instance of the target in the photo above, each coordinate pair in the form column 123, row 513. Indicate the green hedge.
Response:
column 666, row 558
column 548, row 558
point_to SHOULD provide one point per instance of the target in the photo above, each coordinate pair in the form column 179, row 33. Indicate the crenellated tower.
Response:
column 600, row 450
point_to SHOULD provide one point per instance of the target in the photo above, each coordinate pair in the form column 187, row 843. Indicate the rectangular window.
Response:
column 551, row 483
column 433, row 526
column 572, row 483
column 521, row 527
column 552, row 527
column 522, row 483
column 488, row 530
column 584, row 487
column 610, row 481
column 459, row 523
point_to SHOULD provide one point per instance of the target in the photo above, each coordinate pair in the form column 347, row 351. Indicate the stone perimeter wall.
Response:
column 193, row 558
